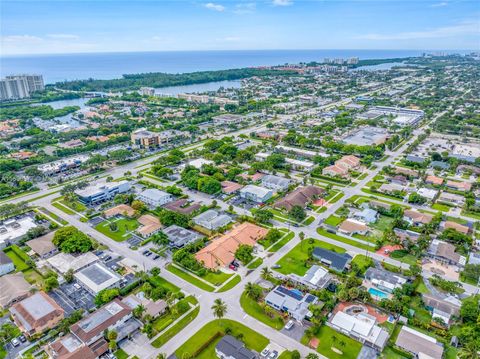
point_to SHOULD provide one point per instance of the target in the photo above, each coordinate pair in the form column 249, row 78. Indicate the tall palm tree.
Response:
column 266, row 273
column 250, row 289
column 219, row 308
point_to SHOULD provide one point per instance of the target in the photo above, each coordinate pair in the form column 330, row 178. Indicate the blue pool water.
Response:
column 377, row 293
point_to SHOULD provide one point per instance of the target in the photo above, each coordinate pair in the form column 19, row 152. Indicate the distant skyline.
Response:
column 54, row 27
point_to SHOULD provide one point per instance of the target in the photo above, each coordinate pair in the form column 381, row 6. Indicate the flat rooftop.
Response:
column 97, row 277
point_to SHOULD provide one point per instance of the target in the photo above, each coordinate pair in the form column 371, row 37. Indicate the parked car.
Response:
column 232, row 267
column 273, row 355
column 265, row 353
column 22, row 338
column 15, row 342
column 289, row 325
column 156, row 256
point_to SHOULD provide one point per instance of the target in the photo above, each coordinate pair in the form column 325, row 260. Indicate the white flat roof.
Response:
column 97, row 277
column 62, row 262
column 10, row 232
column 199, row 162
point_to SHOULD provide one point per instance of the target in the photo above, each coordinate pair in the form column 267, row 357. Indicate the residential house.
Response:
column 442, row 307
column 120, row 210
column 13, row 288
column 434, row 180
column 212, row 219
column 367, row 215
column 459, row 186
column 300, row 197
column 149, row 225
column 221, row 251
column 43, row 246
column 451, row 199
column 351, row 226
column 36, row 314
column 291, row 301
column 63, row 262
column 415, row 159
column 276, row 183
column 231, row 348
column 299, row 165
column 421, row 345
column 256, row 193
column 406, row 234
column 183, row 206
column 383, row 280
column 445, row 252
column 407, row 172
column 398, row 179
column 331, row 259
column 229, row 187
column 427, row 193
column 69, row 347
column 179, row 236
column 115, row 315
column 6, row 264
column 391, row 188
column 415, row 218
column 362, row 327
column 315, row 278
column 439, row 165
column 152, row 308
column 456, row 226
column 154, row 198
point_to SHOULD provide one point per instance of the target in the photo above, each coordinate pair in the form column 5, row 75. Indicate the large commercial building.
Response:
column 20, row 86
column 102, row 192
column 148, row 139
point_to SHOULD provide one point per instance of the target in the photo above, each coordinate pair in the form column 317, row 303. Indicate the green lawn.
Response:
column 255, row 264
column 282, row 242
column 390, row 353
column 158, row 281
column 403, row 256
column 339, row 238
column 18, row 261
column 168, row 318
column 383, row 223
column 75, row 205
column 309, row 220
column 200, row 344
column 217, row 278
column 232, row 283
column 33, row 277
column 286, row 355
column 189, row 278
column 120, row 354
column 330, row 338
column 174, row 330
column 124, row 225
column 294, row 261
column 363, row 262
column 63, row 208
column 333, row 220
column 254, row 309
column 421, row 287
column 441, row 207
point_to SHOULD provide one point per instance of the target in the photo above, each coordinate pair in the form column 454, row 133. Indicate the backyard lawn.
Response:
column 333, row 221
column 403, row 256
column 294, row 261
column 252, row 308
column 330, row 338
column 383, row 223
column 18, row 257
column 200, row 345
column 124, row 226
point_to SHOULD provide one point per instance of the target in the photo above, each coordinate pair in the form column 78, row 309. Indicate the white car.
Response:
column 15, row 342
column 289, row 325
column 265, row 353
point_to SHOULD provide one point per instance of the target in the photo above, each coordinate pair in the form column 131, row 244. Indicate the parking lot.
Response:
column 134, row 241
column 9, row 347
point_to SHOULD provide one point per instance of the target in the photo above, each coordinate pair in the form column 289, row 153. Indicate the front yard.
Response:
column 255, row 310
column 295, row 261
column 329, row 338
column 202, row 344
column 120, row 233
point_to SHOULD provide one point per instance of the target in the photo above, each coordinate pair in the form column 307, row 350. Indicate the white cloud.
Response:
column 21, row 38
column 440, row 4
column 245, row 8
column 216, row 7
column 463, row 28
column 282, row 2
column 63, row 36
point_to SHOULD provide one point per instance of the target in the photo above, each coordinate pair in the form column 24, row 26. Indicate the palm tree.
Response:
column 266, row 273
column 334, row 339
column 469, row 350
column 341, row 343
column 219, row 308
column 138, row 311
column 311, row 356
column 250, row 290
column 162, row 356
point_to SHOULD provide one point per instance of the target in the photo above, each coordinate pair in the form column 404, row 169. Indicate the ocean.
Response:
column 55, row 68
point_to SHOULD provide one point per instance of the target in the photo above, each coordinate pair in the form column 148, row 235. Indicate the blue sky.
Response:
column 35, row 27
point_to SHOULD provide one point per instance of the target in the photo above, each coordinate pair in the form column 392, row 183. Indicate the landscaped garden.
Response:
column 257, row 311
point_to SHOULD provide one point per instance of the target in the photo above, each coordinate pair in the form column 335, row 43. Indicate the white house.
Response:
column 256, row 193
column 276, row 183
column 6, row 264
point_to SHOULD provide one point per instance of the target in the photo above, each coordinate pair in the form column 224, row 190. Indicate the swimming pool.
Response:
column 377, row 293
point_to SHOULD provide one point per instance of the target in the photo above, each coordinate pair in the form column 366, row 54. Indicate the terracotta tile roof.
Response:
column 221, row 251
column 352, row 226
column 418, row 217
column 121, row 209
column 465, row 186
column 457, row 226
column 434, row 180
column 230, row 187
column 149, row 224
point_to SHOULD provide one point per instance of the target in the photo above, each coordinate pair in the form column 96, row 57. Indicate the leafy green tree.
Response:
column 244, row 253
column 297, row 213
column 70, row 240
column 263, row 215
